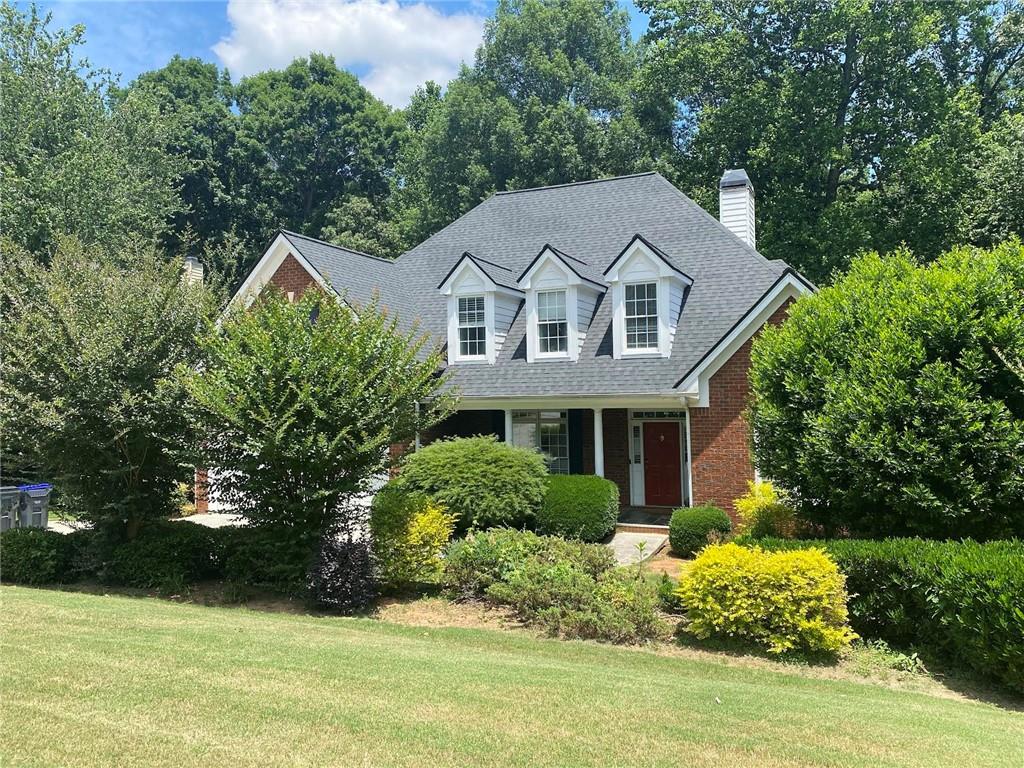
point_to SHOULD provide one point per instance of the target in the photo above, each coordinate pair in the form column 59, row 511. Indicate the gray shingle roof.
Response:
column 591, row 222
column 355, row 275
column 502, row 276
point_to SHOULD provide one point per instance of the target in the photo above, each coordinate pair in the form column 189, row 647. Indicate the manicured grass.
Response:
column 91, row 680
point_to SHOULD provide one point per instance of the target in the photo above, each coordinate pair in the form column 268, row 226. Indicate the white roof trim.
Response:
column 268, row 265
column 695, row 385
column 464, row 263
column 640, row 246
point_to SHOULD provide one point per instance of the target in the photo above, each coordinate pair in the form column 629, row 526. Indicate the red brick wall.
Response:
column 202, row 496
column 616, row 449
column 292, row 277
column 721, row 463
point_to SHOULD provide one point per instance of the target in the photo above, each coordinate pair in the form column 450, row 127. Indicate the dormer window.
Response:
column 561, row 294
column 472, row 327
column 483, row 299
column 552, row 323
column 642, row 316
column 648, row 292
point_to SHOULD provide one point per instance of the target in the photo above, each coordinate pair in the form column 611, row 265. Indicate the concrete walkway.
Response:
column 625, row 546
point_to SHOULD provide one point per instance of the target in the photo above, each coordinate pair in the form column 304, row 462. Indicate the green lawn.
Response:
column 89, row 680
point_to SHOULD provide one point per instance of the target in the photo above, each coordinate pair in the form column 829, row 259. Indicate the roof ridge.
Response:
column 290, row 233
column 487, row 261
column 576, row 183
column 565, row 255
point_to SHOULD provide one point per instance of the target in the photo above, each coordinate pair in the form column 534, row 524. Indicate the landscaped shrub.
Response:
column 764, row 512
column 483, row 558
column 264, row 559
column 890, row 402
column 343, row 575
column 409, row 533
column 485, row 483
column 570, row 588
column 33, row 556
column 690, row 528
column 164, row 554
column 579, row 506
column 567, row 601
column 960, row 600
column 783, row 601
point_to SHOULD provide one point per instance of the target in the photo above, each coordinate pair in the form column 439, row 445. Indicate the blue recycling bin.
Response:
column 35, row 503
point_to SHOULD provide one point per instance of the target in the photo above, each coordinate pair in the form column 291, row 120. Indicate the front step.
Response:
column 641, row 528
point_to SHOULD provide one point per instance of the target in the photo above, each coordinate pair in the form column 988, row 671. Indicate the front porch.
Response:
column 644, row 451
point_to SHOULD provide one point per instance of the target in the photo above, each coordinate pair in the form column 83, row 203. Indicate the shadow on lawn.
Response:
column 959, row 680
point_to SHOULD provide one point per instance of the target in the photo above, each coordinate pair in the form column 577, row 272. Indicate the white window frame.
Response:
column 564, row 322
column 481, row 325
column 648, row 285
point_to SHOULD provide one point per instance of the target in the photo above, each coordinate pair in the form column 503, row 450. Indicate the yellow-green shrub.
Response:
column 780, row 600
column 409, row 533
column 764, row 512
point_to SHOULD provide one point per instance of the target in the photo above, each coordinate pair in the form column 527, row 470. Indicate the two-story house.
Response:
column 607, row 324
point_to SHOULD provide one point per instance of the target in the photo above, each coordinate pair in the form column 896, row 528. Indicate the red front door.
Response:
column 663, row 486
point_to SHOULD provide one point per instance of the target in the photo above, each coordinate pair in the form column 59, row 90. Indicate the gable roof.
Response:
column 653, row 249
column 354, row 274
column 497, row 274
column 593, row 221
column 579, row 267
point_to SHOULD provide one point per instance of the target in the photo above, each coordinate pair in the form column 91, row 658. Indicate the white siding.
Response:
column 586, row 301
column 505, row 308
column 675, row 304
column 736, row 212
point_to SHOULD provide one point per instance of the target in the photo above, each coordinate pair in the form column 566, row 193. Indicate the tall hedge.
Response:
column 961, row 600
column 892, row 402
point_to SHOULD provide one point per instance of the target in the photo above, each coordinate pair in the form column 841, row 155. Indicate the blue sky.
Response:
column 393, row 46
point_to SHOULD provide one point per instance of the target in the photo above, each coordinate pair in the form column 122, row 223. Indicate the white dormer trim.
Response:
column 467, row 278
column 641, row 263
column 694, row 386
column 267, row 267
column 548, row 272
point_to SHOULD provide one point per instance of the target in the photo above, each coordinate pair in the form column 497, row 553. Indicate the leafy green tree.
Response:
column 299, row 402
column 548, row 101
column 89, row 395
column 195, row 100
column 359, row 224
column 309, row 137
column 891, row 403
column 827, row 105
column 70, row 163
column 998, row 208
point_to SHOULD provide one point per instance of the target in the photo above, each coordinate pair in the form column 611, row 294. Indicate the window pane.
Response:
column 641, row 316
column 471, row 310
column 472, row 341
column 553, row 337
column 550, row 305
column 554, row 443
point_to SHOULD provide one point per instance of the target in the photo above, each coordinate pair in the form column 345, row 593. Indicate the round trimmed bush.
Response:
column 690, row 528
column 34, row 556
column 581, row 507
column 483, row 482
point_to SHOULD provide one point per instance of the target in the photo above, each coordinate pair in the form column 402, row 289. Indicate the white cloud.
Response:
column 393, row 47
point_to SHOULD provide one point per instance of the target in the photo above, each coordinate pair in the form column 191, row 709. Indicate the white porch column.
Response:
column 598, row 442
column 508, row 426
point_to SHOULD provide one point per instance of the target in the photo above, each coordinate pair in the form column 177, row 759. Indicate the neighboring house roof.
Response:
column 591, row 223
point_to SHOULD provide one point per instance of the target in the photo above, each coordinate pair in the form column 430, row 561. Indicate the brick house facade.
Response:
column 608, row 324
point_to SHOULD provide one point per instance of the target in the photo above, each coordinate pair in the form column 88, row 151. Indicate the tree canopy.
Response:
column 864, row 125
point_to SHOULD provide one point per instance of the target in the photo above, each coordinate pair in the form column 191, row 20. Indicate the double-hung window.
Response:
column 547, row 432
column 641, row 316
column 552, row 325
column 472, row 327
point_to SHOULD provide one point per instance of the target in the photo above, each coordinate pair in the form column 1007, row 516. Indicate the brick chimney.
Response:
column 736, row 205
